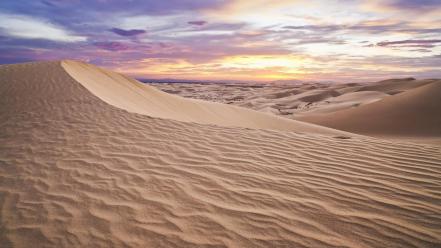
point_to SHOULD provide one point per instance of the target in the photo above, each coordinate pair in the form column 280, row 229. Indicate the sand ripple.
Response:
column 76, row 172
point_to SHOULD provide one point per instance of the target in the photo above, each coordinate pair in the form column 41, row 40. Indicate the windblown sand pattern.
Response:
column 403, row 109
column 416, row 113
column 287, row 100
column 76, row 171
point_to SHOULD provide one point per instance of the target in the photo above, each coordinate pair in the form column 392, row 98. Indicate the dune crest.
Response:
column 136, row 97
column 414, row 113
column 76, row 171
column 399, row 109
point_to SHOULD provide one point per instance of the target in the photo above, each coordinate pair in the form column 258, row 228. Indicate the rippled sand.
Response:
column 76, row 171
column 403, row 109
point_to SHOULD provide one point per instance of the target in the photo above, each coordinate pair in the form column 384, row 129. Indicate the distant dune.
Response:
column 405, row 109
column 394, row 86
column 136, row 97
column 414, row 113
column 92, row 158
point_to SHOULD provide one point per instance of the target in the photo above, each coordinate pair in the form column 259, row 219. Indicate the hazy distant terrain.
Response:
column 406, row 107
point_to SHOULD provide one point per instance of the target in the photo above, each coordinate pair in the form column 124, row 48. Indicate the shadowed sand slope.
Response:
column 395, row 86
column 416, row 112
column 133, row 96
column 76, row 171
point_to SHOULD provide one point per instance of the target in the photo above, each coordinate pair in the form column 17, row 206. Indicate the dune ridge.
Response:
column 76, row 171
column 413, row 113
column 398, row 109
column 289, row 101
column 133, row 96
column 395, row 86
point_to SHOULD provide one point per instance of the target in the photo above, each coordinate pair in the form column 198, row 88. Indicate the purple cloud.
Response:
column 421, row 50
column 197, row 23
column 111, row 46
column 413, row 4
column 410, row 43
column 130, row 32
column 366, row 26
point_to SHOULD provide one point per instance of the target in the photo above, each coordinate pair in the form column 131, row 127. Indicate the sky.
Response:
column 254, row 40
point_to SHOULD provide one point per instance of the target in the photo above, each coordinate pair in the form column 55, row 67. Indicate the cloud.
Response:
column 416, row 64
column 372, row 27
column 28, row 27
column 195, row 36
column 197, row 23
column 130, row 32
column 111, row 46
column 315, row 27
column 414, row 4
column 49, row 3
column 403, row 8
column 88, row 10
column 315, row 39
column 332, row 29
column 421, row 50
column 410, row 43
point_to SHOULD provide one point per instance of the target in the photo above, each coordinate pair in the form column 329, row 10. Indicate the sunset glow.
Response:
column 336, row 40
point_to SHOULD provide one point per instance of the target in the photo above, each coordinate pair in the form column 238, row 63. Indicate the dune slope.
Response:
column 76, row 171
column 414, row 113
column 133, row 96
column 289, row 101
column 395, row 86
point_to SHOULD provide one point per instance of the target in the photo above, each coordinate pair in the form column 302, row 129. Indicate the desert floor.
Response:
column 92, row 158
column 410, row 109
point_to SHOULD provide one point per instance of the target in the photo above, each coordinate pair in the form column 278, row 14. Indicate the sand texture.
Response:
column 128, row 94
column 287, row 100
column 405, row 109
column 80, row 167
column 416, row 113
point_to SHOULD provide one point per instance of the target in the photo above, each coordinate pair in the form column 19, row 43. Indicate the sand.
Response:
column 413, row 113
column 123, row 92
column 77, row 169
column 396, row 109
column 289, row 101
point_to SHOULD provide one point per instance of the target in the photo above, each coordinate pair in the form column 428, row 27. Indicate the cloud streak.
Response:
column 197, row 23
column 130, row 32
column 410, row 43
column 111, row 46
column 28, row 27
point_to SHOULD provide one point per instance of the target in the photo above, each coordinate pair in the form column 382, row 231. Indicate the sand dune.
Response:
column 385, row 109
column 395, row 86
column 416, row 112
column 76, row 171
column 342, row 102
column 133, row 96
column 289, row 101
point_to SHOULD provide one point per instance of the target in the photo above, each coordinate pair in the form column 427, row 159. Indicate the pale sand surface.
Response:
column 287, row 100
column 397, row 109
column 414, row 113
column 129, row 94
column 78, row 170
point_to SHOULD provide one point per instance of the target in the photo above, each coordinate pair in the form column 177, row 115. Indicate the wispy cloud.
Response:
column 197, row 23
column 112, row 46
column 410, row 43
column 28, row 27
column 369, row 27
column 348, row 40
column 130, row 32
column 414, row 5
